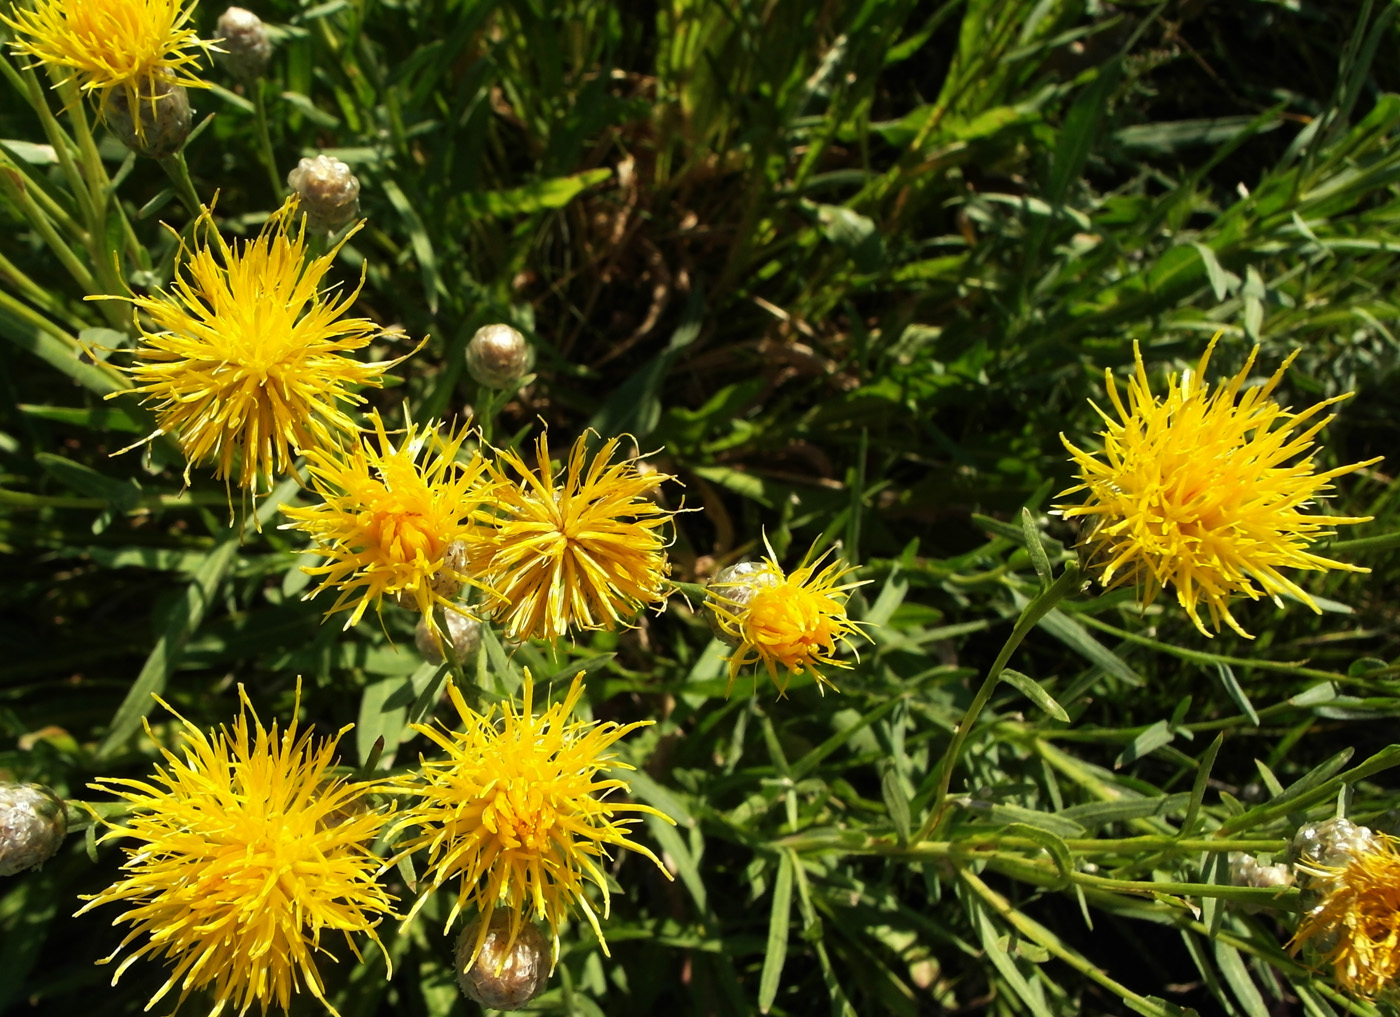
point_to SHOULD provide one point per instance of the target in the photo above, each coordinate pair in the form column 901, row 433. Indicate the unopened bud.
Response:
column 245, row 43
column 505, row 975
column 463, row 632
column 329, row 193
column 1332, row 844
column 730, row 591
column 32, row 826
column 161, row 121
column 498, row 356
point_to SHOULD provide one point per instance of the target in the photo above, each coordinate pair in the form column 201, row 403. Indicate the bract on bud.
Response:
column 731, row 590
column 507, row 974
column 498, row 356
column 32, row 826
column 161, row 121
column 245, row 43
column 464, row 632
column 446, row 581
column 329, row 193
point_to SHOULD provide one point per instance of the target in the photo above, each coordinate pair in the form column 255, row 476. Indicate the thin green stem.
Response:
column 178, row 171
column 265, row 153
column 1030, row 617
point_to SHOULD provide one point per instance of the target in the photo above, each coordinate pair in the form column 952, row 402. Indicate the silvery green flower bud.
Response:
column 1331, row 844
column 731, row 590
column 245, row 43
column 32, row 826
column 329, row 192
column 503, row 979
column 162, row 117
column 464, row 632
column 1247, row 870
column 498, row 356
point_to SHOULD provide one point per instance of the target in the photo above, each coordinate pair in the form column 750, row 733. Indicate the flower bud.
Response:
column 246, row 45
column 498, row 356
column 32, row 826
column 464, row 632
column 329, row 192
column 1331, row 844
column 161, row 121
column 505, row 975
column 730, row 591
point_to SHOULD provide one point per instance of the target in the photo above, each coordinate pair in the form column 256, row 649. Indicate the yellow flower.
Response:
column 779, row 620
column 517, row 811
column 1196, row 490
column 582, row 551
column 107, row 44
column 1356, row 927
column 394, row 522
column 246, row 358
column 248, row 850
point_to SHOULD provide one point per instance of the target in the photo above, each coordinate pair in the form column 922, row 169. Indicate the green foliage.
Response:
column 850, row 269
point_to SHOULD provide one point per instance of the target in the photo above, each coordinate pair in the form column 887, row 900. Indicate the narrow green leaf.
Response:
column 1236, row 692
column 1057, row 848
column 1198, row 787
column 1077, row 638
column 779, row 926
column 418, row 237
column 1098, row 813
column 1146, row 743
column 1232, row 966
column 896, row 802
column 536, row 196
column 1030, row 532
column 673, row 845
column 1032, row 690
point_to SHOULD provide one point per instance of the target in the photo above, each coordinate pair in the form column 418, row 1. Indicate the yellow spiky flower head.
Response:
column 1204, row 491
column 248, row 849
column 395, row 520
column 790, row 624
column 517, row 811
column 577, row 552
column 1355, row 929
column 247, row 360
column 132, row 46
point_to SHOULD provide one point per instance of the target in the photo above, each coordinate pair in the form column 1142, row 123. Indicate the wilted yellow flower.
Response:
column 1195, row 490
column 583, row 551
column 517, row 811
column 248, row 850
column 394, row 521
column 123, row 44
column 1356, row 927
column 792, row 622
column 247, row 355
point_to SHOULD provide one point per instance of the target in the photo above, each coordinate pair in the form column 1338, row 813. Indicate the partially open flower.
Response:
column 790, row 624
column 512, row 966
column 498, row 356
column 32, row 826
column 329, row 193
column 1351, row 920
column 246, row 46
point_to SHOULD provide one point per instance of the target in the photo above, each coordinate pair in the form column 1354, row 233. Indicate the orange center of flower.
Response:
column 792, row 624
column 519, row 815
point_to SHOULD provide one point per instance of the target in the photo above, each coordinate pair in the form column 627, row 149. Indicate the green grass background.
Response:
column 850, row 268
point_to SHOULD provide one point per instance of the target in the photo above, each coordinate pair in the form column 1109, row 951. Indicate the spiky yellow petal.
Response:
column 574, row 553
column 788, row 622
column 248, row 849
column 518, row 813
column 1196, row 491
column 395, row 521
column 246, row 363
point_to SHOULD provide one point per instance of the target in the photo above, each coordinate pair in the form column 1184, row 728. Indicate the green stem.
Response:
column 178, row 171
column 265, row 153
column 13, row 186
column 1030, row 617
